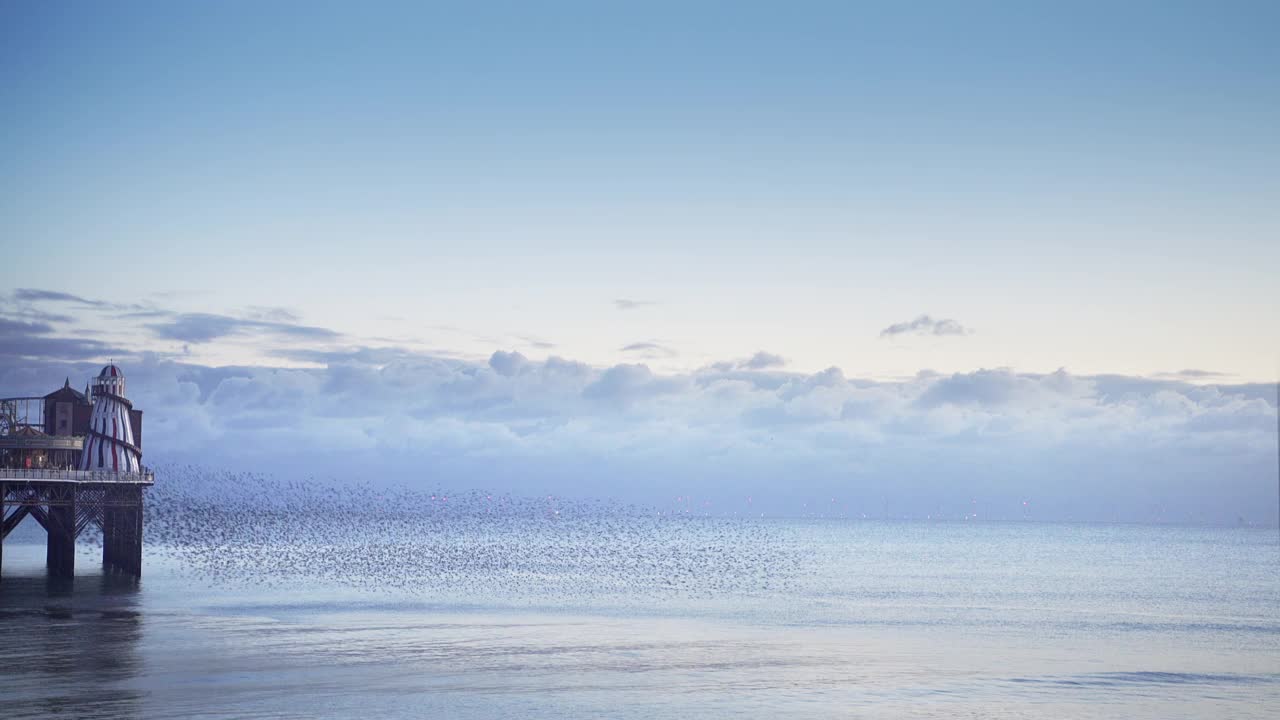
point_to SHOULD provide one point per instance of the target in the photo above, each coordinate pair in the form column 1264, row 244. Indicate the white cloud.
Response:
column 1102, row 447
column 925, row 325
column 763, row 360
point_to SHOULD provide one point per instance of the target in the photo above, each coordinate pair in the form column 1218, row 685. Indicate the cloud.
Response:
column 24, row 340
column 34, row 295
column 271, row 314
column 1085, row 447
column 536, row 343
column 985, row 388
column 925, row 325
column 762, row 360
column 30, row 313
column 628, row 383
column 352, row 355
column 19, row 327
column 651, row 350
column 625, row 304
column 1192, row 374
column 507, row 363
column 190, row 328
column 203, row 327
column 1099, row 447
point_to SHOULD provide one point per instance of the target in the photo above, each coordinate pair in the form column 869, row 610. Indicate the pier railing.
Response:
column 146, row 477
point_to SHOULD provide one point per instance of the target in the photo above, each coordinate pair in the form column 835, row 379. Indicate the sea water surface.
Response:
column 794, row 618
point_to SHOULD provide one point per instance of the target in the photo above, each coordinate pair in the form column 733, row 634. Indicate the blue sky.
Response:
column 1020, row 186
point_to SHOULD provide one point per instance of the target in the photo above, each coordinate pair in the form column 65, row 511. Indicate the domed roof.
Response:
column 110, row 371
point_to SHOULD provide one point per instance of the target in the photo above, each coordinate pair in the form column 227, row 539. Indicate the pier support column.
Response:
column 122, row 532
column 136, row 550
column 60, row 552
column 108, row 535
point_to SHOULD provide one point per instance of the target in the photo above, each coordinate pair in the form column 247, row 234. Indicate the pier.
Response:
column 70, row 460
column 65, row 502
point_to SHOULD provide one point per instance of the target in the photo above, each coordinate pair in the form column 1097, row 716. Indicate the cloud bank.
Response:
column 993, row 442
column 1100, row 448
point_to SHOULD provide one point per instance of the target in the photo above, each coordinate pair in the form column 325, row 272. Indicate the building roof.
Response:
column 66, row 392
column 110, row 371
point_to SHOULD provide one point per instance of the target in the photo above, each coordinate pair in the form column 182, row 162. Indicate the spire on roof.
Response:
column 67, row 382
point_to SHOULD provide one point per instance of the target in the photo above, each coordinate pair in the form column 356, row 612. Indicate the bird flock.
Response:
column 468, row 546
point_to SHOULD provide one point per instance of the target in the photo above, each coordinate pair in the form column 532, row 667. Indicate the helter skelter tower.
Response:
column 110, row 444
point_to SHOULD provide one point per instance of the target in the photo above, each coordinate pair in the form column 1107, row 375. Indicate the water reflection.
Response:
column 70, row 647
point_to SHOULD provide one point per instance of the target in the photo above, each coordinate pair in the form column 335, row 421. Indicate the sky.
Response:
column 1026, row 229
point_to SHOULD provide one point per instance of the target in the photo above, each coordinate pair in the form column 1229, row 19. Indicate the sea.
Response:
column 591, row 613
